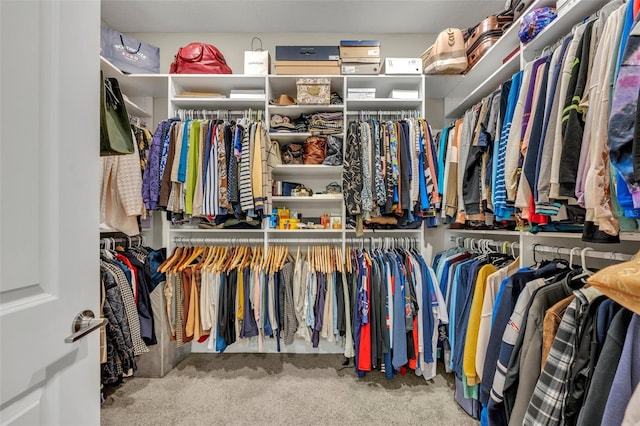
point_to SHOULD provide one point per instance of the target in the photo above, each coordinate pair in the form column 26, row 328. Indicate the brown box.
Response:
column 347, row 52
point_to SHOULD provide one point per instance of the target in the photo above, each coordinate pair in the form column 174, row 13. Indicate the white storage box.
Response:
column 404, row 94
column 402, row 66
column 361, row 93
column 313, row 90
column 353, row 68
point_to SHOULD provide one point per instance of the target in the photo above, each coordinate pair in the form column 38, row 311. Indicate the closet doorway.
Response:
column 49, row 174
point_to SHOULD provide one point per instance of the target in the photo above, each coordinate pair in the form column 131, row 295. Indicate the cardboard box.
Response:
column 307, row 63
column 307, row 70
column 312, row 91
column 355, row 68
column 307, row 53
column 402, row 66
column 347, row 52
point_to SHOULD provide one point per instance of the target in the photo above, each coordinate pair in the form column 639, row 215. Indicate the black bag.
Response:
column 115, row 130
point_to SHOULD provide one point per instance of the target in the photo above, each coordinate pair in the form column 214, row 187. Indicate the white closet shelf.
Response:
column 384, row 103
column 217, row 103
column 309, row 201
column 624, row 236
column 488, row 232
column 311, row 170
column 304, row 231
column 630, row 236
column 561, row 26
column 303, row 109
column 135, row 110
column 384, row 84
column 285, row 136
column 230, row 232
column 137, row 85
column 209, row 82
column 387, row 232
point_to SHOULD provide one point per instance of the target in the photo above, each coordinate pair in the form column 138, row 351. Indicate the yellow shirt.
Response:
column 473, row 327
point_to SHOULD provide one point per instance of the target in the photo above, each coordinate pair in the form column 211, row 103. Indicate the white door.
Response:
column 49, row 173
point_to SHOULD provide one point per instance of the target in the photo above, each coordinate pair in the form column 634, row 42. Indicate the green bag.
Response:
column 115, row 130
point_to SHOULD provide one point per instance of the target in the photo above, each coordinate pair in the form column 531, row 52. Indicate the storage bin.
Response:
column 313, row 91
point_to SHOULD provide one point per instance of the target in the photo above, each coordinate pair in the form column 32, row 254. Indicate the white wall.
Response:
column 233, row 45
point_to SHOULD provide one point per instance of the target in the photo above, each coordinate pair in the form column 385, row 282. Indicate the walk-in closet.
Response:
column 331, row 212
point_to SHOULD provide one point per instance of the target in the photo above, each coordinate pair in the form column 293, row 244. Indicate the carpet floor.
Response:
column 280, row 389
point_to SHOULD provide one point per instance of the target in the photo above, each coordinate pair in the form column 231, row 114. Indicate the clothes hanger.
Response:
column 579, row 280
column 218, row 258
column 168, row 262
column 571, row 256
column 197, row 251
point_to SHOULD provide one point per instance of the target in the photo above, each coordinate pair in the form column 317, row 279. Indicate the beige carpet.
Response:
column 280, row 389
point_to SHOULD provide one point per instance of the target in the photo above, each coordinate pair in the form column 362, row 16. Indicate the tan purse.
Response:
column 447, row 55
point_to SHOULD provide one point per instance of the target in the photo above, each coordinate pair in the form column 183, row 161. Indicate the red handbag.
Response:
column 199, row 58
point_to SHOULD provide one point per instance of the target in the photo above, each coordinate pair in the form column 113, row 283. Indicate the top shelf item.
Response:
column 503, row 59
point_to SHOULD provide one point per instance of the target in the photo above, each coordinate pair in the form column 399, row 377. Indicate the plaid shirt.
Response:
column 547, row 403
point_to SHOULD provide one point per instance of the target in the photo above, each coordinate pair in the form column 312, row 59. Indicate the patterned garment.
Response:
column 352, row 172
column 234, row 158
column 120, row 354
column 169, row 291
column 380, row 190
column 223, row 185
column 143, row 139
column 139, row 347
column 151, row 177
column 367, row 196
column 388, row 170
column 393, row 151
column 179, row 297
column 548, row 400
column 246, row 192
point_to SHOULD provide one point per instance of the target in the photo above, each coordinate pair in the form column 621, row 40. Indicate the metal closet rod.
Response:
column 122, row 240
column 464, row 241
column 588, row 251
column 538, row 248
column 219, row 113
column 382, row 112
column 334, row 241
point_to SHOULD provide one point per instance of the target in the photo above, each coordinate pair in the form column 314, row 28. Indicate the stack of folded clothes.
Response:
column 326, row 123
column 284, row 124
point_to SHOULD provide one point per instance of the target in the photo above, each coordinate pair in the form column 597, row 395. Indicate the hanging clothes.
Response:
column 390, row 175
column 215, row 170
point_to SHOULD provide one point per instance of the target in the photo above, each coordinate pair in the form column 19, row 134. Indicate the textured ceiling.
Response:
column 283, row 16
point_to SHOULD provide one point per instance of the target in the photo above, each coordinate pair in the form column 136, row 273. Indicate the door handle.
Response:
column 83, row 324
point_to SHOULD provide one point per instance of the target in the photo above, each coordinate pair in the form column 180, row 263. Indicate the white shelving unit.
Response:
column 316, row 177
